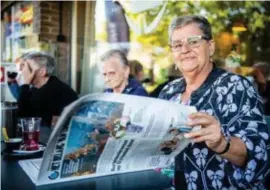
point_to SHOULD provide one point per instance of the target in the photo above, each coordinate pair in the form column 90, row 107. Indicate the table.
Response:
column 13, row 177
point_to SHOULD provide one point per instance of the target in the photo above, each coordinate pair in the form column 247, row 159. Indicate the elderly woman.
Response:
column 115, row 70
column 229, row 151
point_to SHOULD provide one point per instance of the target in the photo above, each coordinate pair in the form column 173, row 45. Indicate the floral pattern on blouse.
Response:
column 235, row 103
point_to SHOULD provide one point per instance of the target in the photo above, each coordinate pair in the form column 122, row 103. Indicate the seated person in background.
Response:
column 173, row 74
column 116, row 70
column 261, row 75
column 49, row 95
column 136, row 70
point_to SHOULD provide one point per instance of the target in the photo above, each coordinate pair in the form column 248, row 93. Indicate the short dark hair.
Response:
column 202, row 22
column 135, row 67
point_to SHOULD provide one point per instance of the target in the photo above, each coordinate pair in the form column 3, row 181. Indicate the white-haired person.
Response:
column 115, row 69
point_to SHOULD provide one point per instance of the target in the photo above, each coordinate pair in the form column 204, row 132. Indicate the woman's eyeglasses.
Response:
column 190, row 42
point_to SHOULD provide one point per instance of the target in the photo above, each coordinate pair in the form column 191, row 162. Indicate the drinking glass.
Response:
column 30, row 132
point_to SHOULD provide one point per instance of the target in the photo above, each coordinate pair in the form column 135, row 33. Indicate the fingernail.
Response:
column 186, row 135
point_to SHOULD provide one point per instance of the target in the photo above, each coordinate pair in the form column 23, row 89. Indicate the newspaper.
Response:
column 104, row 134
column 31, row 168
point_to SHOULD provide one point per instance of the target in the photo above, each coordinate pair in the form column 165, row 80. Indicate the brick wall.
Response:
column 49, row 23
column 47, row 16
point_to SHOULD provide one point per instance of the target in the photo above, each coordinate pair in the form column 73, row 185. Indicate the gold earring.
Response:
column 175, row 67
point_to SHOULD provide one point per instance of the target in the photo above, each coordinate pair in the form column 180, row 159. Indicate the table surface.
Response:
column 13, row 177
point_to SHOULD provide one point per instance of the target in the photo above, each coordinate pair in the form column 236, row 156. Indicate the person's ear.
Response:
column 212, row 47
column 127, row 72
column 43, row 72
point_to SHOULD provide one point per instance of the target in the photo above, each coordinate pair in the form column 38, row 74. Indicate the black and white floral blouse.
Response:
column 234, row 102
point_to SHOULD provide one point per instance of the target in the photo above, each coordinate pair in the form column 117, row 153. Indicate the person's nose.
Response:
column 185, row 48
column 106, row 78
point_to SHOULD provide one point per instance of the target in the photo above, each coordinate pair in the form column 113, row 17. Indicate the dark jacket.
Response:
column 45, row 102
column 133, row 88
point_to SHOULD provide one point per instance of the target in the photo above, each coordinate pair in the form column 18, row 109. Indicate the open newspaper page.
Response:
column 31, row 168
column 104, row 134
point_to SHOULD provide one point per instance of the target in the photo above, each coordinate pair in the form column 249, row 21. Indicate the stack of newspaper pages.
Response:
column 104, row 134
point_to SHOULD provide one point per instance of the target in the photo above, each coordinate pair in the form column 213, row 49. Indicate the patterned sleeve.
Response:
column 241, row 112
column 169, row 89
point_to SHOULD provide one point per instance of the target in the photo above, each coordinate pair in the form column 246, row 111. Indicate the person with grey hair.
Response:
column 42, row 94
column 115, row 70
column 229, row 150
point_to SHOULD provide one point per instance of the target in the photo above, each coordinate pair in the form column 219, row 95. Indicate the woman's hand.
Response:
column 210, row 133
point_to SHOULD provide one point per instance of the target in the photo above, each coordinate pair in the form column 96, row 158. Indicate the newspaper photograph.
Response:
column 104, row 134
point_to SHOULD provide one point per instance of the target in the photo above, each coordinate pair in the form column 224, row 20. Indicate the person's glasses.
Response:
column 190, row 42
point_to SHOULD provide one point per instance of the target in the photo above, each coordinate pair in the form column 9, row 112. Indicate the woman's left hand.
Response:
column 210, row 133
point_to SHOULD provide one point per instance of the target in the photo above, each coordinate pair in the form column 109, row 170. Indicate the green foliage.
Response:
column 221, row 14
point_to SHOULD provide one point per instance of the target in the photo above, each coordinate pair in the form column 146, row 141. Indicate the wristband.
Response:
column 226, row 148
